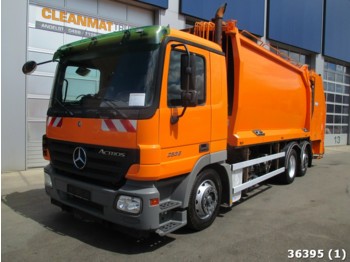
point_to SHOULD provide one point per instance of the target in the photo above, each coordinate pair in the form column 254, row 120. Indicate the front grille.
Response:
column 107, row 170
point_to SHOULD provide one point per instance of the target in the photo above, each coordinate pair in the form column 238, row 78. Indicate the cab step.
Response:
column 179, row 220
column 169, row 204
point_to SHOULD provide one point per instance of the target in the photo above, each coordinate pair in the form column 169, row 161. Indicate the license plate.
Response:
column 79, row 192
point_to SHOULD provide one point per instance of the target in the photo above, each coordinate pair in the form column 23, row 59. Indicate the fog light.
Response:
column 129, row 204
column 48, row 181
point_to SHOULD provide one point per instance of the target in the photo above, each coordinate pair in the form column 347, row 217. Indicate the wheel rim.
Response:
column 206, row 199
column 292, row 166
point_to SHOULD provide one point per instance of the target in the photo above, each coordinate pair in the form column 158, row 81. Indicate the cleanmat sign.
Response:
column 74, row 24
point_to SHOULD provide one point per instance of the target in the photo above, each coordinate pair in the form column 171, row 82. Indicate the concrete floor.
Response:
column 313, row 213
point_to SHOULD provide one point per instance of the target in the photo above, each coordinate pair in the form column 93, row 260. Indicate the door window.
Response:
column 174, row 79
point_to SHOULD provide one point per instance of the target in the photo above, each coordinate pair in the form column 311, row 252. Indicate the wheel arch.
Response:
column 183, row 191
column 225, row 182
column 291, row 145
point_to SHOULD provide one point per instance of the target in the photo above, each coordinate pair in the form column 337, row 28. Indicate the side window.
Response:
column 174, row 79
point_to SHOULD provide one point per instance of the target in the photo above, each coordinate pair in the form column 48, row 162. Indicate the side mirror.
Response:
column 189, row 96
column 29, row 67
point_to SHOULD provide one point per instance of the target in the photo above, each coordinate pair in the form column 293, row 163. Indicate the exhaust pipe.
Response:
column 218, row 23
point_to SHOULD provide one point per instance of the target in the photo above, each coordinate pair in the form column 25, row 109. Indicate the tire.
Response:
column 205, row 200
column 304, row 159
column 291, row 165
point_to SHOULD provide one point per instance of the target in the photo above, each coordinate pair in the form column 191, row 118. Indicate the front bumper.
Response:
column 100, row 202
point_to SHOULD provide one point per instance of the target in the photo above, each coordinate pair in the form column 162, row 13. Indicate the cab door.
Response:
column 184, row 142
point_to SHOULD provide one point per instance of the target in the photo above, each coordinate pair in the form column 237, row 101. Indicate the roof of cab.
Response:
column 141, row 35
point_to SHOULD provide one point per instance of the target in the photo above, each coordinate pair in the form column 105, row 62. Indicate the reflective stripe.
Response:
column 119, row 125
column 54, row 121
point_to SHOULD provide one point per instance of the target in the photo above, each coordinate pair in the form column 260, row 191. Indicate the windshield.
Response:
column 99, row 83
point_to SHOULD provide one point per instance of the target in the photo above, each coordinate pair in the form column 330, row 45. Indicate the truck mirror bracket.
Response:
column 30, row 66
column 175, row 118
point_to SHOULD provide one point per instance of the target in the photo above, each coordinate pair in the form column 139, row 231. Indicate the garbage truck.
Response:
column 153, row 128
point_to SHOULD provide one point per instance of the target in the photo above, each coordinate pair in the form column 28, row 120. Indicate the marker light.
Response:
column 154, row 202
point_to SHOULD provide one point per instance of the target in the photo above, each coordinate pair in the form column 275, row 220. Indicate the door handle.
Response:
column 203, row 148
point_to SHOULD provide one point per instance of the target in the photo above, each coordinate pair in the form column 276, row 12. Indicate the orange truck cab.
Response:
column 153, row 128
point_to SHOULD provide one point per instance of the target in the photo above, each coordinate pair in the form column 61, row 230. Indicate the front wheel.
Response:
column 205, row 199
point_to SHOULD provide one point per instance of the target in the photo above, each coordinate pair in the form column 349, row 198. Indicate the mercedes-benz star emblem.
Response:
column 79, row 157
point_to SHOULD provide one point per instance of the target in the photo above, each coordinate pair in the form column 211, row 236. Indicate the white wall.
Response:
column 171, row 16
column 13, row 94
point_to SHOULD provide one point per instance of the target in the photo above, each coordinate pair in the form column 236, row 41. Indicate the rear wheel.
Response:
column 304, row 158
column 204, row 200
column 291, row 165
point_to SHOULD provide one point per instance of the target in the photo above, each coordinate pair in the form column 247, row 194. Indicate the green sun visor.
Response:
column 141, row 35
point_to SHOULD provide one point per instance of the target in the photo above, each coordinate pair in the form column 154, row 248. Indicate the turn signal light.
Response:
column 154, row 202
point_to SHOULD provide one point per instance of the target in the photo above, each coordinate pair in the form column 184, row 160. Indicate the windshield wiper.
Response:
column 64, row 107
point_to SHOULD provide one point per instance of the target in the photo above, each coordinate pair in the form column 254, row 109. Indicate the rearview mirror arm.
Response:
column 46, row 62
column 175, row 119
column 30, row 66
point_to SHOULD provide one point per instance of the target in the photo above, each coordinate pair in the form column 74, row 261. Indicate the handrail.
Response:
column 204, row 30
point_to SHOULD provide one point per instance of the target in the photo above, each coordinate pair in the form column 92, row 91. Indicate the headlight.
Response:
column 129, row 204
column 48, row 181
